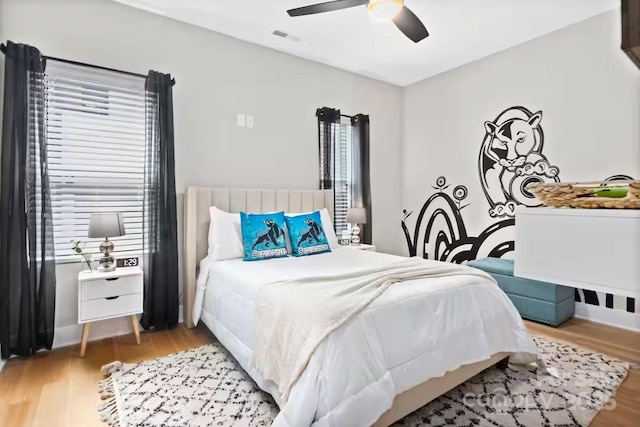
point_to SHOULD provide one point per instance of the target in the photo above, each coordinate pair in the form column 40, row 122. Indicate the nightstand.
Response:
column 362, row 247
column 109, row 295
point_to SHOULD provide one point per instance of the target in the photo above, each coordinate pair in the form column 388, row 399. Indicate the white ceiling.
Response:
column 461, row 30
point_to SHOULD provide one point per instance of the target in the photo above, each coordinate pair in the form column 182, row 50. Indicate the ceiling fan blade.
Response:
column 329, row 6
column 410, row 25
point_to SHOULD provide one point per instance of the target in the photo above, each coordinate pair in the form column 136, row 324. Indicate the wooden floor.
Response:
column 59, row 388
column 615, row 342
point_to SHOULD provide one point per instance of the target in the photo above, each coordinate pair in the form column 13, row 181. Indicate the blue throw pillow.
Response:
column 307, row 235
column 263, row 236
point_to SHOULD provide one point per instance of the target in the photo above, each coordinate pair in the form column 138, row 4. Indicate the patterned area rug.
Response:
column 206, row 387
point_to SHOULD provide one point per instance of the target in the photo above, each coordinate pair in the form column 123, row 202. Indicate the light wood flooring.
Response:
column 59, row 388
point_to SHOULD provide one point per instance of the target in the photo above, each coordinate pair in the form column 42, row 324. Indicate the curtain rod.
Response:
column 84, row 64
column 3, row 48
column 344, row 115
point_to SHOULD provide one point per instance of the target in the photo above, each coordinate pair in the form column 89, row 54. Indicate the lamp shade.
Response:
column 103, row 225
column 357, row 216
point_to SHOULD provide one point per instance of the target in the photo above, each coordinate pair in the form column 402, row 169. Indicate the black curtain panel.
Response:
column 328, row 134
column 160, row 234
column 27, row 260
column 361, row 188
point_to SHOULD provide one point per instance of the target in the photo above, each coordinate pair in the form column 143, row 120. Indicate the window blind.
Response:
column 95, row 128
column 342, row 178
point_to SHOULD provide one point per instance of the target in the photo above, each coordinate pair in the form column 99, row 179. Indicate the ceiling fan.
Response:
column 380, row 10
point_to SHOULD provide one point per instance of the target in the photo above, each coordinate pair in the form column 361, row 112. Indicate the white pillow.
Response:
column 330, row 232
column 327, row 226
column 225, row 235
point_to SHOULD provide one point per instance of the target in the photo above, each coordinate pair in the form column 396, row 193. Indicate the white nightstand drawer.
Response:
column 103, row 307
column 110, row 287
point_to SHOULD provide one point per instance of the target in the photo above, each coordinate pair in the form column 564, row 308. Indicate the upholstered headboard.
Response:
column 197, row 201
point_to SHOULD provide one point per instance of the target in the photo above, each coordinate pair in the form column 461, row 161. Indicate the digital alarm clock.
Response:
column 127, row 262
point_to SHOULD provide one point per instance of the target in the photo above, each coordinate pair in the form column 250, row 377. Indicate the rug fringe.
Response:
column 111, row 368
column 105, row 388
column 108, row 410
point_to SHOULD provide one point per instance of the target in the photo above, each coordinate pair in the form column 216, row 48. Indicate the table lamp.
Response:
column 106, row 225
column 356, row 216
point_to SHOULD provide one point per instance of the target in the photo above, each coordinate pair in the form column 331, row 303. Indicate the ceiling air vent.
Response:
column 286, row 36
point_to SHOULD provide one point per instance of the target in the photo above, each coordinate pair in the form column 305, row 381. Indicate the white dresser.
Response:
column 594, row 249
column 108, row 295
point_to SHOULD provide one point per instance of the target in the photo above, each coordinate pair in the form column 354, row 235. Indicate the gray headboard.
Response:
column 198, row 200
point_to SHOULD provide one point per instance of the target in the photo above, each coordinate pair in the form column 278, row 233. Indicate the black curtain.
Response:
column 27, row 260
column 328, row 133
column 159, row 231
column 361, row 179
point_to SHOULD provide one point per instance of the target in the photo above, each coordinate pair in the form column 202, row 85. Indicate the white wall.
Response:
column 217, row 77
column 586, row 87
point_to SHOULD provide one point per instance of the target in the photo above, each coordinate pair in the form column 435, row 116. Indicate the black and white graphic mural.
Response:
column 446, row 231
column 510, row 158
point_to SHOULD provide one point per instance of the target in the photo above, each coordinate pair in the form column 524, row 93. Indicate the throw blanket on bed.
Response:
column 293, row 317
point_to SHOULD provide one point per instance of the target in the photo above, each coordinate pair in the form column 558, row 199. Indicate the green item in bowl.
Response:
column 615, row 193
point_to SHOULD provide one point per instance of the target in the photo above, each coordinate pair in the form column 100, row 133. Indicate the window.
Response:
column 95, row 124
column 336, row 138
column 342, row 173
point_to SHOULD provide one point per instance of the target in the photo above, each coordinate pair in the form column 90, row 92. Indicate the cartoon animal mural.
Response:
column 510, row 159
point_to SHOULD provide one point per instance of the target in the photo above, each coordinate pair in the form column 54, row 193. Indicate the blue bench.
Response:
column 535, row 300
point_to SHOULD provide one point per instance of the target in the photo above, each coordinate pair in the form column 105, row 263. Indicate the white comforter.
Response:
column 415, row 331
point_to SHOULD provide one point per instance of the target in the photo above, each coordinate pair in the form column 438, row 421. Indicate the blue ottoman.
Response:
column 542, row 302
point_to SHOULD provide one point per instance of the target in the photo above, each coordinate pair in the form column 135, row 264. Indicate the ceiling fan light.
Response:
column 384, row 10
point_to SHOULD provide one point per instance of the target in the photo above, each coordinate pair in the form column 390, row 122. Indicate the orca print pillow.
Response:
column 306, row 234
column 263, row 236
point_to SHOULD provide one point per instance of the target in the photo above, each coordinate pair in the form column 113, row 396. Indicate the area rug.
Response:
column 205, row 386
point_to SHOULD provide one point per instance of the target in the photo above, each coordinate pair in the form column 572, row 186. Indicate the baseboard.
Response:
column 608, row 316
column 72, row 334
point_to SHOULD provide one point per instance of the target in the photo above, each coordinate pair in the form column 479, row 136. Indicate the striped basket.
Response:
column 576, row 194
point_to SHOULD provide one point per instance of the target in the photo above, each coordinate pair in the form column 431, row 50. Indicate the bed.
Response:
column 418, row 340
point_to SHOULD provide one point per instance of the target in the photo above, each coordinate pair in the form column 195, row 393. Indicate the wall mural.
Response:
column 446, row 230
column 510, row 158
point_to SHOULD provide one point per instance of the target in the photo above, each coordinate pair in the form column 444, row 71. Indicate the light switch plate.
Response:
column 241, row 120
column 250, row 121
